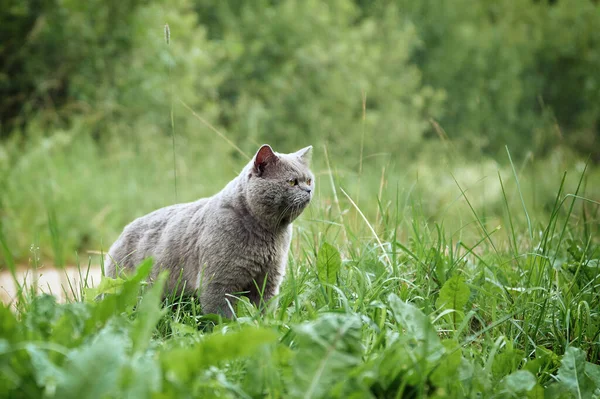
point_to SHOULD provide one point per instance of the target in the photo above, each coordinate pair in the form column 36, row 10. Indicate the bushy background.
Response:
column 93, row 100
column 451, row 249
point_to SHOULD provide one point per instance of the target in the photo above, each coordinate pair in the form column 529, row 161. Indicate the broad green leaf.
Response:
column 68, row 329
column 418, row 348
column 61, row 324
column 507, row 362
column 94, row 369
column 556, row 390
column 572, row 374
column 465, row 369
column 329, row 263
column 454, row 294
column 9, row 327
column 47, row 374
column 181, row 329
column 544, row 359
column 481, row 381
column 519, row 382
column 107, row 286
column 267, row 370
column 537, row 392
column 182, row 364
column 327, row 348
column 446, row 372
column 148, row 314
column 417, row 325
column 141, row 377
column 124, row 299
column 42, row 313
column 593, row 371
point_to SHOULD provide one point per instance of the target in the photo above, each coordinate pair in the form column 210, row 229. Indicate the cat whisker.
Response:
column 223, row 233
column 282, row 215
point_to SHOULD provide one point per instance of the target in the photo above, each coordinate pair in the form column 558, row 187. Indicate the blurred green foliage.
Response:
column 486, row 286
column 522, row 74
column 95, row 124
column 101, row 64
column 484, row 74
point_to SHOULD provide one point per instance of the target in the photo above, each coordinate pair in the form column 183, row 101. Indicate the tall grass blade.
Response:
column 512, row 165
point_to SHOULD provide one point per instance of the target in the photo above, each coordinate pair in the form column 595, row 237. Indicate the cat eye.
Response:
column 293, row 182
column 309, row 181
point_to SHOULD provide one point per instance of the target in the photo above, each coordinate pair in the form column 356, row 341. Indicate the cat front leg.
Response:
column 217, row 299
column 220, row 294
column 263, row 289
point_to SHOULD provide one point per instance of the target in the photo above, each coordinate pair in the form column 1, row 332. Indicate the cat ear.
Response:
column 264, row 156
column 305, row 154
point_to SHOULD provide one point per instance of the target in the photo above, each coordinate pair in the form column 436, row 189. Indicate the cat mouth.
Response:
column 298, row 207
column 303, row 203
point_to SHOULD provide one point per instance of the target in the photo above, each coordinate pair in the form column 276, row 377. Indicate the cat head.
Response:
column 278, row 187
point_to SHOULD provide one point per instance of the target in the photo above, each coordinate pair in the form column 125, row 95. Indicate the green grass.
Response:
column 446, row 283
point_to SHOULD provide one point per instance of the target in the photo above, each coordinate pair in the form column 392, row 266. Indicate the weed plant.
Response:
column 382, row 299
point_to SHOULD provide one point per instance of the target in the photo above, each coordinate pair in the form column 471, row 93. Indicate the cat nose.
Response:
column 307, row 189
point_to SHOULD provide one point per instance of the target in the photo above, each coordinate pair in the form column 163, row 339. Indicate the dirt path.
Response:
column 59, row 282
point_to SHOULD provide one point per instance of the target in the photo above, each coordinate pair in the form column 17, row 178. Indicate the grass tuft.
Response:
column 389, row 299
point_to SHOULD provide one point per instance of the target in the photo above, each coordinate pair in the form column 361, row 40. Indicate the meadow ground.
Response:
column 431, row 263
column 448, row 279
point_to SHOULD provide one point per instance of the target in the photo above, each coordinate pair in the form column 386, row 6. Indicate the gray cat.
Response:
column 236, row 241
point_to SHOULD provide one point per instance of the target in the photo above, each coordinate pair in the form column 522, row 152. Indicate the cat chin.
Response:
column 298, row 211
